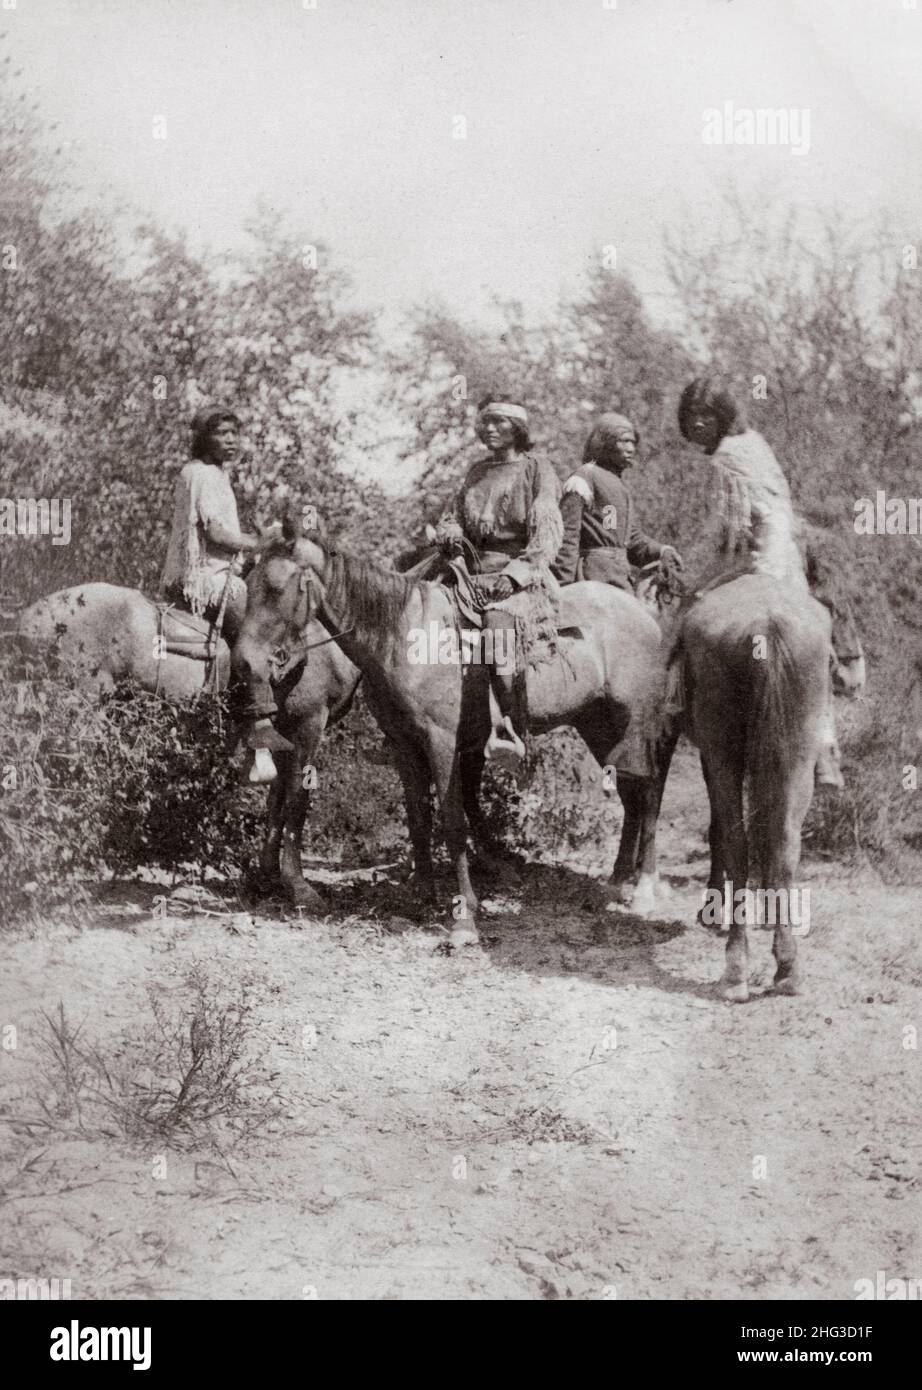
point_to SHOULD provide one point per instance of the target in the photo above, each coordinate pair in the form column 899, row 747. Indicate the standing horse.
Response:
column 757, row 681
column 102, row 634
column 434, row 710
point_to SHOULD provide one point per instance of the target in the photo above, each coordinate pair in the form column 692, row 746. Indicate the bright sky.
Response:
column 583, row 123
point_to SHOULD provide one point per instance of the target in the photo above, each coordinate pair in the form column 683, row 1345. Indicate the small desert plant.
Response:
column 185, row 1078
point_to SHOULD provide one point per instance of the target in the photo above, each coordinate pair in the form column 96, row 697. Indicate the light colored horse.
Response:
column 101, row 635
column 435, row 711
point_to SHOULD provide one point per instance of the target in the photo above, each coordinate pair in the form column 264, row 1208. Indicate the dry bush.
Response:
column 187, row 1078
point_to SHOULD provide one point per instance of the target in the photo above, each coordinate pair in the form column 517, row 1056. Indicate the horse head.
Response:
column 284, row 591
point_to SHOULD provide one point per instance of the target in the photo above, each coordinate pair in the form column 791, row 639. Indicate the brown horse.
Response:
column 434, row 708
column 101, row 635
column 757, row 667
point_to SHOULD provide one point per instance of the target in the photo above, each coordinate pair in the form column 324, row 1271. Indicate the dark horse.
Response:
column 757, row 666
column 435, row 712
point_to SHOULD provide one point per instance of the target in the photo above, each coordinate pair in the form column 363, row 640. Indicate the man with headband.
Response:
column 507, row 520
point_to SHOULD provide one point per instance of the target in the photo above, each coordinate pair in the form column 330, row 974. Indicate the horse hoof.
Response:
column 463, row 938
column 735, row 994
column 622, row 891
column 787, row 985
column 643, row 904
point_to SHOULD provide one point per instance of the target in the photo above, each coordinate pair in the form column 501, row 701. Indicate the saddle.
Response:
column 185, row 633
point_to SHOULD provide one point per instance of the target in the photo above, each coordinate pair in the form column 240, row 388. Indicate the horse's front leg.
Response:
column 414, row 776
column 275, row 813
column 294, row 779
column 445, row 763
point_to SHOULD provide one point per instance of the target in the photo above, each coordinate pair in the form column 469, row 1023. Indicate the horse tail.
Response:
column 779, row 696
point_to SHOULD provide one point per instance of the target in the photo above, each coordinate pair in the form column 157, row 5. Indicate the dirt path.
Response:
column 572, row 1113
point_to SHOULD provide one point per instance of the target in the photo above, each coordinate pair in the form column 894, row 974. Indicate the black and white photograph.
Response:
column 461, row 662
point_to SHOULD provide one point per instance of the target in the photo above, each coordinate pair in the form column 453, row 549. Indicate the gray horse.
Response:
column 101, row 635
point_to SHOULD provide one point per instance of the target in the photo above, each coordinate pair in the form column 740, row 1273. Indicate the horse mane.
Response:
column 366, row 597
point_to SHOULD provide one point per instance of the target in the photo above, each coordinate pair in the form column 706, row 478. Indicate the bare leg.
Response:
column 504, row 746
column 829, row 764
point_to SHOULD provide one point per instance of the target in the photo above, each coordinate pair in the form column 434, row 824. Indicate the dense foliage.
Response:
column 110, row 336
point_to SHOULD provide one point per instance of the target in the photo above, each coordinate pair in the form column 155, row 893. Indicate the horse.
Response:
column 758, row 659
column 102, row 635
column 434, row 711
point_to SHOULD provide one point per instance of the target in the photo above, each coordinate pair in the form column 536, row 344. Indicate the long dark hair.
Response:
column 706, row 393
column 202, row 425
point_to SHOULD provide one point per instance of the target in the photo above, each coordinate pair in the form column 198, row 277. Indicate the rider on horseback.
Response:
column 199, row 573
column 507, row 518
column 601, row 537
column 754, row 528
column 602, row 541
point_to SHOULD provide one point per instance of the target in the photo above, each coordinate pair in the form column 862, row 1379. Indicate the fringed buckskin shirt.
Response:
column 753, row 510
column 195, row 563
column 509, row 512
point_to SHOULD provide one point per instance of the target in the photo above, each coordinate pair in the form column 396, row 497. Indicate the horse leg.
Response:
column 715, row 883
column 725, row 783
column 414, row 775
column 600, row 738
column 781, row 873
column 445, row 764
column 275, row 812
column 294, row 807
column 472, row 761
column 630, row 791
column 650, row 798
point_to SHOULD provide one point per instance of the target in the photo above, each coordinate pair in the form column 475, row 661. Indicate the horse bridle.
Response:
column 283, row 657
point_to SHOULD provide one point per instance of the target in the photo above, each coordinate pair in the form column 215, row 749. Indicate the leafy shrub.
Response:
column 116, row 783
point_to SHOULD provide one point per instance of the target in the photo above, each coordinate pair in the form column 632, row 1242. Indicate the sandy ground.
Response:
column 571, row 1113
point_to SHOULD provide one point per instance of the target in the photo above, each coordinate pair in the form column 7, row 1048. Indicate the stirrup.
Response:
column 508, row 753
column 259, row 768
column 264, row 735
